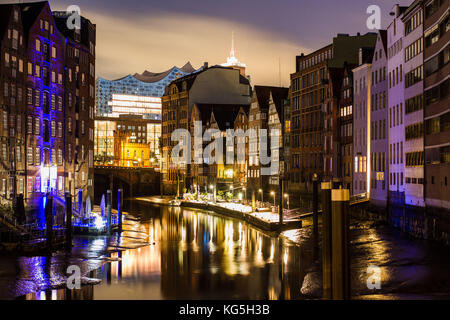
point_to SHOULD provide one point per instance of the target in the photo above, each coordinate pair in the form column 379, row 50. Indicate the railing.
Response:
column 358, row 197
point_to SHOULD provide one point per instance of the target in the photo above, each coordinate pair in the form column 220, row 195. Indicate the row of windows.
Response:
column 396, row 153
column 378, row 76
column 378, row 129
column 396, row 76
column 414, row 159
column 414, row 76
column 378, row 161
column 360, row 164
column 438, row 124
column 395, row 48
column 415, row 21
column 437, row 31
column 437, row 93
column 437, row 62
column 393, row 119
column 413, row 49
column 378, row 101
column 396, row 178
column 414, row 104
column 316, row 59
column 414, row 131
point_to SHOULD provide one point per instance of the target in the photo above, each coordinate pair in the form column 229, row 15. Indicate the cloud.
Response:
column 127, row 46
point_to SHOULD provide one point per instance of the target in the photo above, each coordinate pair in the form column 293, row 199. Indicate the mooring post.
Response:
column 108, row 210
column 316, row 215
column 119, row 209
column 80, row 200
column 68, row 220
column 280, row 201
column 326, row 239
column 49, row 220
column 253, row 200
column 340, row 244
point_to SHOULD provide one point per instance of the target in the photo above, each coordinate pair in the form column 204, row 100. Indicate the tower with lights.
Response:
column 232, row 61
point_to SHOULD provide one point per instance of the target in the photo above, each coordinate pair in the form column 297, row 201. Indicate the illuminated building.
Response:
column 395, row 104
column 45, row 107
column 370, row 121
column 148, row 107
column 128, row 153
column 13, row 76
column 265, row 113
column 361, row 130
column 379, row 123
column 146, row 84
column 436, row 106
column 213, row 85
column 222, row 118
column 143, row 133
column 80, row 102
column 232, row 61
column 35, row 106
column 413, row 151
column 316, row 84
column 132, row 102
column 240, row 169
column 345, row 125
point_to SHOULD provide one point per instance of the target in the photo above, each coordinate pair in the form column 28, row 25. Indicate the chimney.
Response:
column 205, row 65
column 395, row 11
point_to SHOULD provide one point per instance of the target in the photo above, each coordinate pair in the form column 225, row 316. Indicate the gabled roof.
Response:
column 336, row 76
column 5, row 14
column 225, row 114
column 383, row 35
column 263, row 96
column 29, row 12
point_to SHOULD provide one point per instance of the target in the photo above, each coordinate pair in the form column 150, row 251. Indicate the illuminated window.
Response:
column 37, row 156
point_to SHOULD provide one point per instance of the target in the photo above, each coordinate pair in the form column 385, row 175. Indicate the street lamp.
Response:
column 287, row 199
column 262, row 195
column 212, row 188
column 245, row 193
column 273, row 194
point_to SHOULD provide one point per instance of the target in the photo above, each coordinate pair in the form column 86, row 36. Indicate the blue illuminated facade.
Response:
column 46, row 138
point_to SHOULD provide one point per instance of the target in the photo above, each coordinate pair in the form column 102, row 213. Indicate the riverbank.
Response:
column 263, row 220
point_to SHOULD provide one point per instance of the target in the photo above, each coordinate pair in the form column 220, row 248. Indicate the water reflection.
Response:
column 188, row 254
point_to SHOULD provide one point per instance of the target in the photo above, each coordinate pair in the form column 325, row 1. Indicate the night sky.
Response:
column 154, row 35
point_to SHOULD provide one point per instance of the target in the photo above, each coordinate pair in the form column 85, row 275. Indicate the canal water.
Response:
column 167, row 253
column 174, row 253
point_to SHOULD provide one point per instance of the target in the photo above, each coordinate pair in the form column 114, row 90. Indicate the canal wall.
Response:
column 422, row 223
column 254, row 221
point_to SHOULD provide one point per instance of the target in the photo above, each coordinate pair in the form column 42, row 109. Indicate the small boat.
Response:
column 175, row 203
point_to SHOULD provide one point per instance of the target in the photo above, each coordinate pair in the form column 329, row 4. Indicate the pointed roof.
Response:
column 263, row 94
column 29, row 12
column 224, row 114
column 383, row 36
column 5, row 14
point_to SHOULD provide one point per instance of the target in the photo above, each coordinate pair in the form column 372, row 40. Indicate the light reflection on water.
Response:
column 189, row 254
